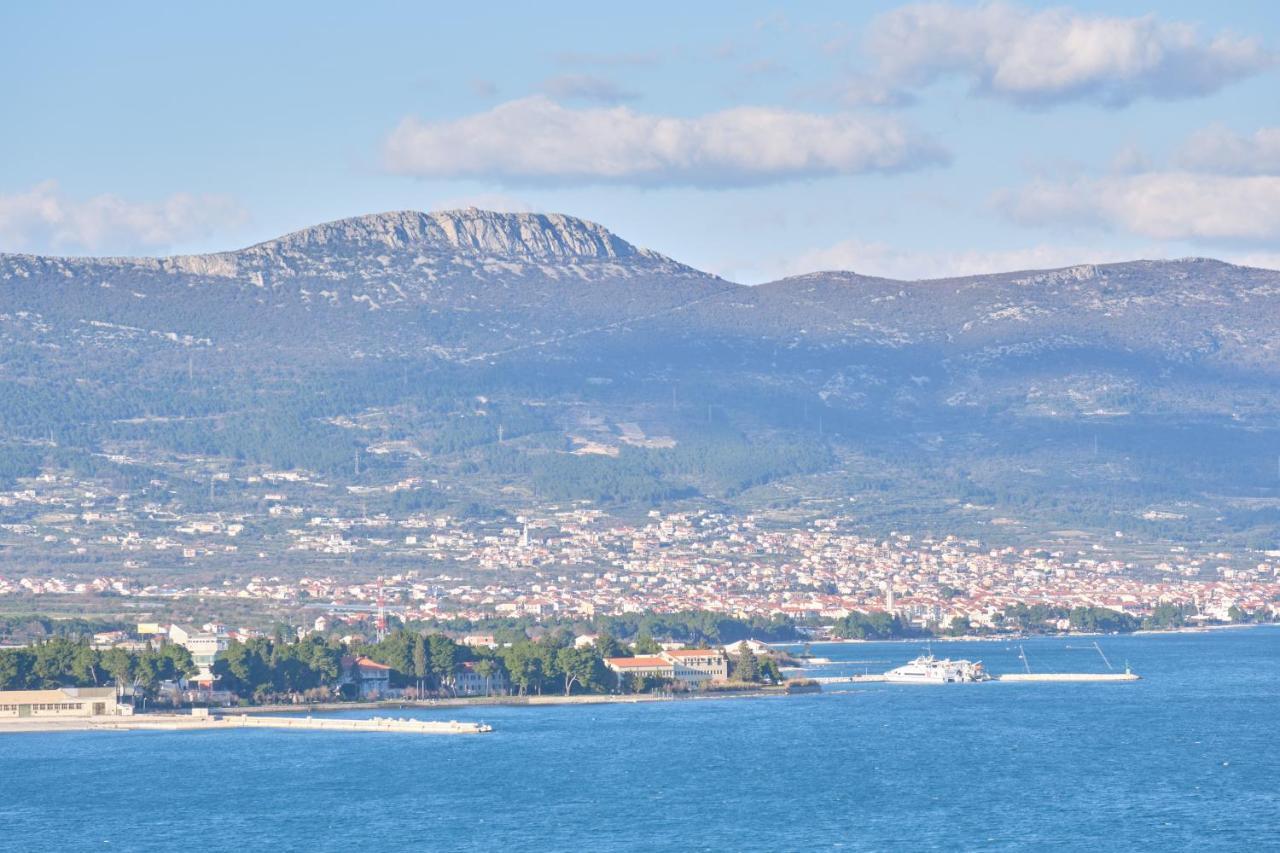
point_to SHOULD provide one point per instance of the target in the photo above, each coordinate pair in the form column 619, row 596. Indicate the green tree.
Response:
column 607, row 646
column 17, row 669
column 85, row 665
column 444, row 654
column 769, row 670
column 645, row 644
column 578, row 666
column 119, row 665
column 421, row 662
column 53, row 663
column 486, row 668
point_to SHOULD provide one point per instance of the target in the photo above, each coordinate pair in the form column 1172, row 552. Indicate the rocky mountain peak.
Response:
column 518, row 236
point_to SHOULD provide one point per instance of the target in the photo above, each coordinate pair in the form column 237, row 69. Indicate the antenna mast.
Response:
column 381, row 622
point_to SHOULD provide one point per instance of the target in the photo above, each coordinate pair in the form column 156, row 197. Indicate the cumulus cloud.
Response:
column 1167, row 205
column 43, row 218
column 586, row 87
column 536, row 139
column 1221, row 151
column 881, row 259
column 1040, row 57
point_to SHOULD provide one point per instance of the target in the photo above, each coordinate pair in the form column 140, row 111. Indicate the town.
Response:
column 581, row 563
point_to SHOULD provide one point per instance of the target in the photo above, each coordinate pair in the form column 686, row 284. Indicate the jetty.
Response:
column 1068, row 676
column 1039, row 677
column 847, row 679
column 227, row 722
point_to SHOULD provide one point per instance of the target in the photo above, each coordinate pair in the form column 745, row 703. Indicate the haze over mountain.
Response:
column 986, row 389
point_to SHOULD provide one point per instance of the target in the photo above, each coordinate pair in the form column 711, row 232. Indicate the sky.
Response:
column 752, row 140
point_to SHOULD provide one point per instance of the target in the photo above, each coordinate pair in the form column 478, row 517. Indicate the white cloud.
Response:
column 1037, row 57
column 45, row 219
column 1165, row 205
column 881, row 259
column 1216, row 149
column 537, row 140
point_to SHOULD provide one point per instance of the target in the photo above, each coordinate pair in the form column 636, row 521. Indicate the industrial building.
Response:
column 62, row 702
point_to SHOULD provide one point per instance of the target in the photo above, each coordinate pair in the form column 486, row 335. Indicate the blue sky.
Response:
column 749, row 139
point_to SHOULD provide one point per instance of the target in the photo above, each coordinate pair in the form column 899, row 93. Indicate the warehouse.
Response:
column 61, row 702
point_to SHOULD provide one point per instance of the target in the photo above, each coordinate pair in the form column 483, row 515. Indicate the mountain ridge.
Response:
column 521, row 236
column 476, row 282
column 449, row 335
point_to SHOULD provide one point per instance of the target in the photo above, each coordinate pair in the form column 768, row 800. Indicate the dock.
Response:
column 1036, row 677
column 846, row 679
column 1069, row 676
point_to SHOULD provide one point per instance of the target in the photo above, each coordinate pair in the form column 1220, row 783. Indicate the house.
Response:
column 468, row 682
column 756, row 647
column 204, row 647
column 476, row 640
column 62, row 702
column 642, row 666
column 697, row 666
column 371, row 679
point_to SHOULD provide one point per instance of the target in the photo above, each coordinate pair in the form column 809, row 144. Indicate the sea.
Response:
column 1188, row 758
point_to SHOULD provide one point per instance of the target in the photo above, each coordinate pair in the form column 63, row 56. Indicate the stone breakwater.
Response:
column 1069, row 676
column 195, row 722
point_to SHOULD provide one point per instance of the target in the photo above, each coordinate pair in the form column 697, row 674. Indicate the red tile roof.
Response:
column 637, row 663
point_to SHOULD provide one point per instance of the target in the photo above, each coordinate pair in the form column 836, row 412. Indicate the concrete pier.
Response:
column 1069, row 676
column 1039, row 677
column 216, row 722
column 846, row 679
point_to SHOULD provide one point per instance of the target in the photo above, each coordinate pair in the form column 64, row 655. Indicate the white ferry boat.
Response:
column 927, row 669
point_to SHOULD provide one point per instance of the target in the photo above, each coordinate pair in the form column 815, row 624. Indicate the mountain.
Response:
column 372, row 285
column 1095, row 395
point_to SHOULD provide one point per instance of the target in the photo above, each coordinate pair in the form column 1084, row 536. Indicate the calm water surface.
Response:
column 1188, row 758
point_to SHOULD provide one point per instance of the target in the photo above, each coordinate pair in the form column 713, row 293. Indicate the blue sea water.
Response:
column 1186, row 759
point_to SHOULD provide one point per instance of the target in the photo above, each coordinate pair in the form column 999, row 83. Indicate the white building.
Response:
column 204, row 648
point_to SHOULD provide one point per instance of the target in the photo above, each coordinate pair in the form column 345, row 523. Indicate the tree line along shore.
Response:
column 525, row 658
column 314, row 669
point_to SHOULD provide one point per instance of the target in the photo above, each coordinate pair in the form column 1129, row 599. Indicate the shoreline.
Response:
column 502, row 701
column 263, row 716
column 974, row 638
